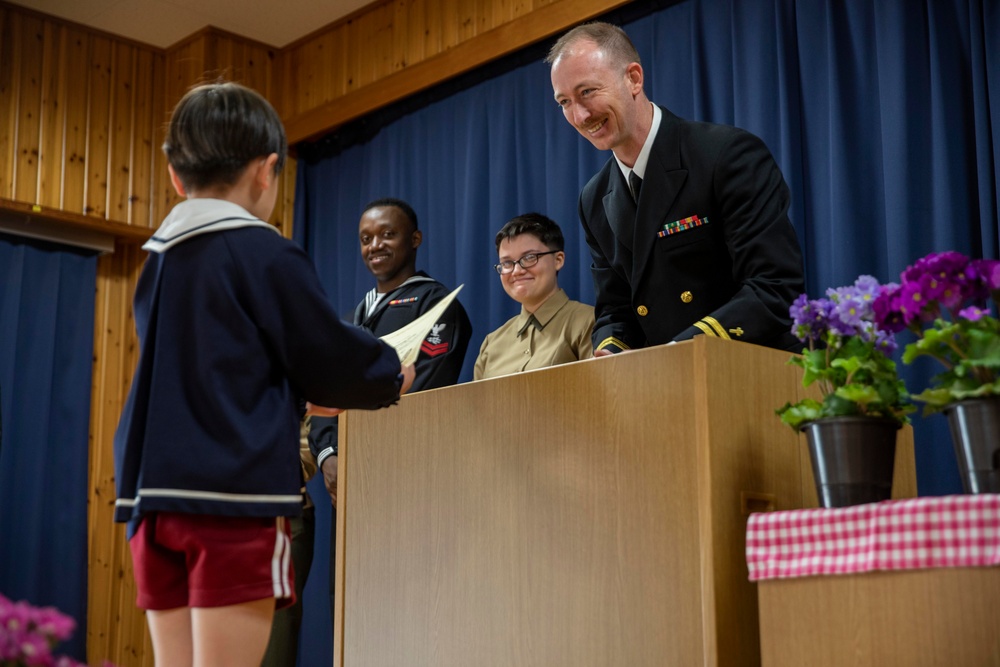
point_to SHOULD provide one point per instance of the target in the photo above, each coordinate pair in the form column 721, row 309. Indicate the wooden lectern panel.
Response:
column 587, row 514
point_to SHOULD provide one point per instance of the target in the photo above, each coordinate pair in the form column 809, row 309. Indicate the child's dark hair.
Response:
column 396, row 203
column 217, row 129
column 536, row 224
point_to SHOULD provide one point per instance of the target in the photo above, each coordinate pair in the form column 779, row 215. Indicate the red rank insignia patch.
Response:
column 434, row 349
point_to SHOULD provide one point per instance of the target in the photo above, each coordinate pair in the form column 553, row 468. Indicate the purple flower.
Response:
column 885, row 341
column 865, row 310
column 65, row 661
column 35, row 650
column 989, row 270
column 15, row 616
column 848, row 313
column 810, row 318
column 28, row 634
column 800, row 311
column 943, row 265
column 911, row 301
column 972, row 313
column 52, row 623
column 985, row 280
column 945, row 290
column 867, row 288
column 886, row 309
column 945, row 279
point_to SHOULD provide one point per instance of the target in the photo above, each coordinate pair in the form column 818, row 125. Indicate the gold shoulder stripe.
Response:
column 611, row 340
column 719, row 329
column 707, row 329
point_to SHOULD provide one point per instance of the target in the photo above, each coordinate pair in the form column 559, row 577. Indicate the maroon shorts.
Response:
column 198, row 560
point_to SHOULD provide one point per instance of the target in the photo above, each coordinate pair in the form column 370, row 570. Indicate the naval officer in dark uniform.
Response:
column 687, row 223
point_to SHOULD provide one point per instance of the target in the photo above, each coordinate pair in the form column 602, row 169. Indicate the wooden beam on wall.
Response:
column 413, row 69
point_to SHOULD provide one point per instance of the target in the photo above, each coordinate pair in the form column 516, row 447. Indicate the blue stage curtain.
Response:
column 884, row 116
column 46, row 352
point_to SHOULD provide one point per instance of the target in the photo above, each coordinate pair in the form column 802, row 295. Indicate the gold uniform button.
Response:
column 687, row 297
column 642, row 310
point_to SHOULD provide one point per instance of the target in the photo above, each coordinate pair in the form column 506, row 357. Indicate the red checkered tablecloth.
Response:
column 947, row 531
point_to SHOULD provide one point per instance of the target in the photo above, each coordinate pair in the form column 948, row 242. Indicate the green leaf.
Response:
column 860, row 394
column 794, row 415
column 849, row 365
column 935, row 399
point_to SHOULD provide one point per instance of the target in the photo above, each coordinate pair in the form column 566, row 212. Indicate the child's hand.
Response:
column 409, row 373
column 320, row 411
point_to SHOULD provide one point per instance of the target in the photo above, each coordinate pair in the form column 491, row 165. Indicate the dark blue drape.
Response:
column 883, row 114
column 46, row 351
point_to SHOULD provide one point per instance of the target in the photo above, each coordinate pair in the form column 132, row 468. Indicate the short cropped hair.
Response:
column 610, row 38
column 396, row 203
column 217, row 129
column 536, row 224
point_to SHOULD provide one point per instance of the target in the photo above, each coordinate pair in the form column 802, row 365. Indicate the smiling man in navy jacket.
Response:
column 687, row 223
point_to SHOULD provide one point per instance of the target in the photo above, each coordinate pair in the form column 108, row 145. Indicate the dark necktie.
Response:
column 531, row 322
column 635, row 183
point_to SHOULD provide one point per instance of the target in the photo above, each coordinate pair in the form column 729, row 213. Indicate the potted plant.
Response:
column 852, row 431
column 944, row 300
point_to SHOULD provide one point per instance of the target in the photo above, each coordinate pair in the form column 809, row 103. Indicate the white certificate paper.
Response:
column 407, row 341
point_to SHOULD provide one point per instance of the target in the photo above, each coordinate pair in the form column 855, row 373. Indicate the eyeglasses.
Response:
column 526, row 262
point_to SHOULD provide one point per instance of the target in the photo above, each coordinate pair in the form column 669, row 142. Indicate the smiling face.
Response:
column 388, row 245
column 532, row 286
column 603, row 100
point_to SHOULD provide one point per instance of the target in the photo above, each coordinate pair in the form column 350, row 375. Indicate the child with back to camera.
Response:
column 235, row 331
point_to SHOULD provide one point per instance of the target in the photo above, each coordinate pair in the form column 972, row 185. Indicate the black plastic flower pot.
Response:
column 975, row 432
column 853, row 459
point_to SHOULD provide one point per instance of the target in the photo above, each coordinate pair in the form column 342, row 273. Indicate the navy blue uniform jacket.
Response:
column 234, row 328
column 441, row 354
column 660, row 279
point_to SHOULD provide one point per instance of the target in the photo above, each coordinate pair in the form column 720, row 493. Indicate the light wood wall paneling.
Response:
column 318, row 72
column 238, row 59
column 116, row 630
column 147, row 137
column 8, row 102
column 407, row 50
column 373, row 34
column 283, row 216
column 185, row 64
column 71, row 141
column 75, row 98
column 75, row 102
column 27, row 39
column 98, row 126
column 212, row 54
column 163, row 191
column 448, row 41
column 206, row 56
column 49, row 173
column 121, row 115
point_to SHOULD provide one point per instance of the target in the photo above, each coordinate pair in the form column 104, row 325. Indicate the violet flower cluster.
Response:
column 941, row 285
column 28, row 635
column 847, row 357
column 847, row 311
column 944, row 299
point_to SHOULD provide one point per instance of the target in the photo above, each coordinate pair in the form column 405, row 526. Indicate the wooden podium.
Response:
column 586, row 514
